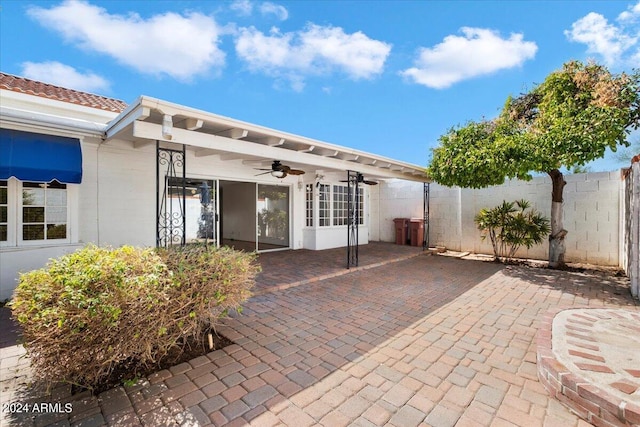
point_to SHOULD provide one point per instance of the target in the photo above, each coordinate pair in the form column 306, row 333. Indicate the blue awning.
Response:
column 37, row 157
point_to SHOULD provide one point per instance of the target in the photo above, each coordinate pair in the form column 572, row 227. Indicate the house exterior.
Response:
column 78, row 168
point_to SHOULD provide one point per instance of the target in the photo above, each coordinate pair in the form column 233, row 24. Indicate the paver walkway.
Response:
column 284, row 269
column 425, row 341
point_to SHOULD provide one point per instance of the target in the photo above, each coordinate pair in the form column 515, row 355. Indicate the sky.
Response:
column 387, row 77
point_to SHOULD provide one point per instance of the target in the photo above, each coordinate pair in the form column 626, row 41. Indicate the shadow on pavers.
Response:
column 582, row 284
column 312, row 331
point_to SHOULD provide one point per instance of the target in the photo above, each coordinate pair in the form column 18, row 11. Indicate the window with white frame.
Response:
column 341, row 205
column 44, row 211
column 333, row 205
column 40, row 212
column 324, row 205
column 309, row 204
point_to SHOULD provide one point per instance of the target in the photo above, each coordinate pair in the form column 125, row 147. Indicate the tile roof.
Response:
column 45, row 90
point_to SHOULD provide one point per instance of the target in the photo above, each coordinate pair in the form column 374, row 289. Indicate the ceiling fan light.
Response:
column 278, row 174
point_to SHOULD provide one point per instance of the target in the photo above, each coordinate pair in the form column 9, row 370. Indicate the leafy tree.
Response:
column 567, row 121
column 510, row 226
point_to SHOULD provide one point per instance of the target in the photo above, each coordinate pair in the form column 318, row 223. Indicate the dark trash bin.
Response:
column 402, row 230
column 416, row 231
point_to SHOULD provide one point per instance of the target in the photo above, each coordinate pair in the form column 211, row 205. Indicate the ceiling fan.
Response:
column 361, row 180
column 279, row 170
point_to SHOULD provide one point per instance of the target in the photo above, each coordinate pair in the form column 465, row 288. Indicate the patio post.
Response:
column 353, row 214
column 425, row 218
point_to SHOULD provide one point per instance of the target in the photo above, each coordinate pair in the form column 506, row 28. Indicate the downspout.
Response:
column 102, row 141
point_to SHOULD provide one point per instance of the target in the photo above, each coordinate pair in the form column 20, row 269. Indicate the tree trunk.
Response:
column 558, row 233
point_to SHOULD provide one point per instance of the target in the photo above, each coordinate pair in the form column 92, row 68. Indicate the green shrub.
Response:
column 510, row 226
column 99, row 309
column 209, row 281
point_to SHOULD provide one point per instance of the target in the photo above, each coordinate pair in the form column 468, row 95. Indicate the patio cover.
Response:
column 148, row 120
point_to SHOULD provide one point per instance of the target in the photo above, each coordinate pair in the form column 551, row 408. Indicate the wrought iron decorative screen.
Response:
column 170, row 196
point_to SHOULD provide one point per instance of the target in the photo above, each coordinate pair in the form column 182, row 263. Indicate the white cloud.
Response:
column 316, row 50
column 635, row 59
column 632, row 14
column 245, row 8
column 242, row 7
column 64, row 75
column 477, row 52
column 180, row 46
column 269, row 8
column 611, row 41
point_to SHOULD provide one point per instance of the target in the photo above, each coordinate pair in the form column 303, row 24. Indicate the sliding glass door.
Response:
column 272, row 207
column 201, row 212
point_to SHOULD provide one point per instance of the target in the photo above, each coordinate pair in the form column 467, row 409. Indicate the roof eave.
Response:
column 142, row 108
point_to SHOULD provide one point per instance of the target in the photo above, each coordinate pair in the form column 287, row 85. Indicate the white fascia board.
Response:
column 124, row 120
column 133, row 111
column 46, row 123
column 200, row 140
column 27, row 102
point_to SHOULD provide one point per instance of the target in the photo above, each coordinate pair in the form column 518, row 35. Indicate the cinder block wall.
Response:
column 397, row 199
column 591, row 214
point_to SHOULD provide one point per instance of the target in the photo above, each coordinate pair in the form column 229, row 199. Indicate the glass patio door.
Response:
column 201, row 211
column 272, row 207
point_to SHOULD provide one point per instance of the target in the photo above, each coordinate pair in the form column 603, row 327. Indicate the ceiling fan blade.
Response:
column 295, row 172
column 264, row 173
column 370, row 182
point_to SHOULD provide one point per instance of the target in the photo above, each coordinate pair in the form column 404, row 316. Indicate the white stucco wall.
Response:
column 126, row 188
column 297, row 215
column 125, row 194
column 591, row 214
column 397, row 199
column 14, row 261
column 116, row 204
column 336, row 237
column 373, row 201
column 121, row 179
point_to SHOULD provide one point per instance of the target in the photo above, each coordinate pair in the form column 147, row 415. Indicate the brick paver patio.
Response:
column 283, row 269
column 429, row 340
